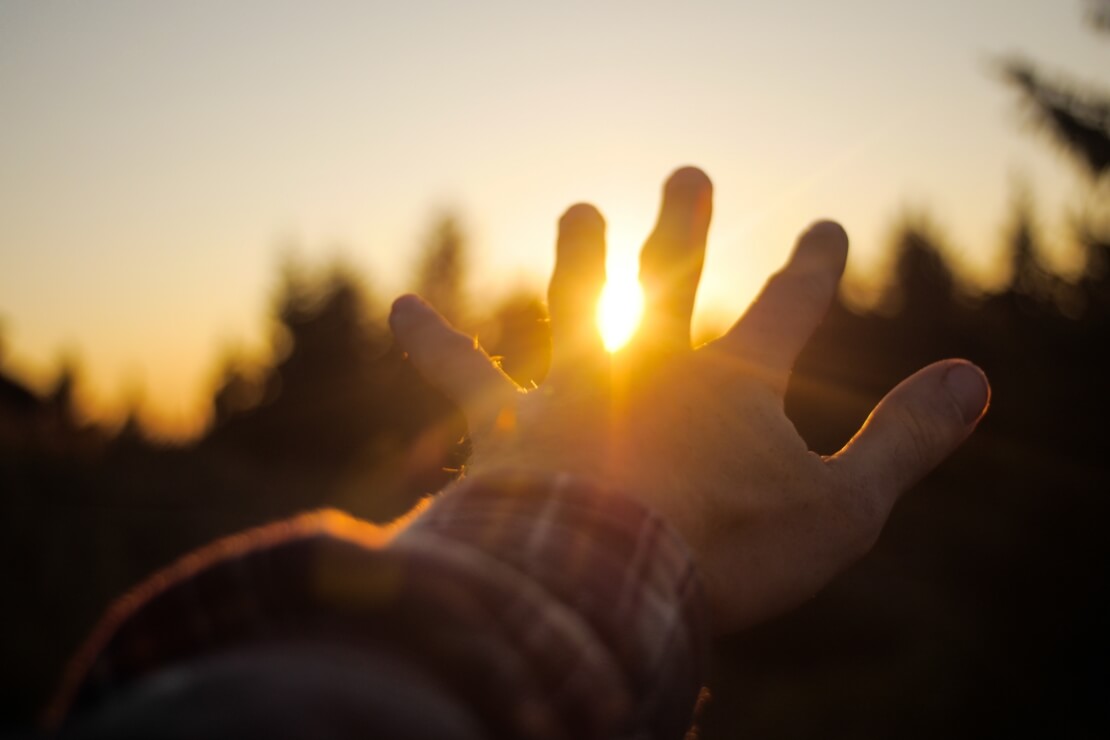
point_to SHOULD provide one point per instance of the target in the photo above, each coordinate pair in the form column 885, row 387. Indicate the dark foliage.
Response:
column 439, row 277
column 1098, row 13
column 1078, row 120
column 1077, row 117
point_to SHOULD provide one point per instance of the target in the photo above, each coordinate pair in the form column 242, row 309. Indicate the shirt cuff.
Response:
column 600, row 594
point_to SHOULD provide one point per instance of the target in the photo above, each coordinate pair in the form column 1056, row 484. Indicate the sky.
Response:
column 158, row 159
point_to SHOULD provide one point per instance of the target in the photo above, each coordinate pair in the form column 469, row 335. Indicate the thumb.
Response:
column 918, row 424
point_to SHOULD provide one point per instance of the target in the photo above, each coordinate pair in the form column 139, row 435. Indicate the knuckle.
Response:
column 828, row 231
column 920, row 435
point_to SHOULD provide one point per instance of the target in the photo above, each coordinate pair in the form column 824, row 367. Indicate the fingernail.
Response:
column 687, row 207
column 405, row 308
column 582, row 218
column 968, row 385
column 688, row 180
column 826, row 230
column 822, row 247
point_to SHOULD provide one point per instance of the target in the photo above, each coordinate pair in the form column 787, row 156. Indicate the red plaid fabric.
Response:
column 549, row 606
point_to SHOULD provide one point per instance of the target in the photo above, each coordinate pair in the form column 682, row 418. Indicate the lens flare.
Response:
column 618, row 312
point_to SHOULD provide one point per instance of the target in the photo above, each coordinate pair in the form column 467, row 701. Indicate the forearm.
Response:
column 545, row 607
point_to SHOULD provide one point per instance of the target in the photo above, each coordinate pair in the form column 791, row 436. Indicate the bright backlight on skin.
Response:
column 618, row 312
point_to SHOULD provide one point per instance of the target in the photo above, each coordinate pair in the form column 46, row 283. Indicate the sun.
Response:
column 618, row 311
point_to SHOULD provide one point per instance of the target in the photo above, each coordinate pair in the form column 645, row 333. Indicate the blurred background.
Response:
column 206, row 208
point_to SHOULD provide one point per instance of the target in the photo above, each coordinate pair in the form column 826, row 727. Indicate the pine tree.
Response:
column 441, row 271
column 1076, row 116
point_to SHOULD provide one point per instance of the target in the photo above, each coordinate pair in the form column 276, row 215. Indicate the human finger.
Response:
column 574, row 291
column 792, row 304
column 916, row 426
column 671, row 260
column 452, row 362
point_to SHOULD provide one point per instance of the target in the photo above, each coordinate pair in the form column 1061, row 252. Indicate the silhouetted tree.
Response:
column 923, row 284
column 1028, row 275
column 329, row 330
column 1077, row 117
column 61, row 395
column 236, row 391
column 317, row 399
column 441, row 271
column 1098, row 14
column 340, row 404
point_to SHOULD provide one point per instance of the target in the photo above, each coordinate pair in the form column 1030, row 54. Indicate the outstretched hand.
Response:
column 700, row 436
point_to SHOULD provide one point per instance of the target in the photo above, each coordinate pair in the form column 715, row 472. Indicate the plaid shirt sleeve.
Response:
column 549, row 606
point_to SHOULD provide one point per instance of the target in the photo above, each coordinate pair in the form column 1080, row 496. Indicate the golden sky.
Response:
column 156, row 156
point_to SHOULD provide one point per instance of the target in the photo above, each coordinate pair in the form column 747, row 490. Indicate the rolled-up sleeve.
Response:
column 547, row 605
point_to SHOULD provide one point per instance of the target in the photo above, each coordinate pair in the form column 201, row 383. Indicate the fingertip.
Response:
column 579, row 251
column 969, row 388
column 405, row 308
column 688, row 179
column 406, row 303
column 686, row 210
column 582, row 217
column 828, row 231
column 824, row 245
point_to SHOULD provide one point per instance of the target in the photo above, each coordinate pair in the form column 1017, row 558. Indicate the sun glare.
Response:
column 618, row 312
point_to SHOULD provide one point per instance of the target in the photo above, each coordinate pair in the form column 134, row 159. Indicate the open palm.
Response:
column 700, row 436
